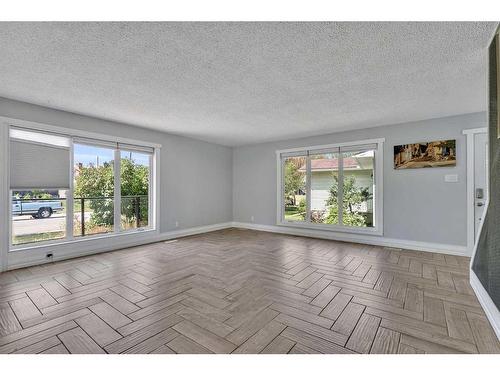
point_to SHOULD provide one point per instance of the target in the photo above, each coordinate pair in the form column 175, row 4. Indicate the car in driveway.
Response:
column 39, row 209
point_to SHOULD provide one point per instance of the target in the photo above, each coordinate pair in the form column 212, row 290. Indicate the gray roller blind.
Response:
column 95, row 142
column 334, row 150
column 135, row 148
column 356, row 148
column 293, row 154
column 38, row 166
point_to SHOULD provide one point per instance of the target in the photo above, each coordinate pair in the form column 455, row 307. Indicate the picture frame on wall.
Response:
column 426, row 155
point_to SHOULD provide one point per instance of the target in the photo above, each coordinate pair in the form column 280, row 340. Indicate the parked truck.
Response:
column 39, row 209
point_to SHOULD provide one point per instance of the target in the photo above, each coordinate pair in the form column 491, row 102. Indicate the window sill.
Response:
column 371, row 231
column 78, row 240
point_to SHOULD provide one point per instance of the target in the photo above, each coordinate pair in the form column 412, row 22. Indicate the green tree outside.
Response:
column 294, row 179
column 134, row 181
column 353, row 196
column 98, row 182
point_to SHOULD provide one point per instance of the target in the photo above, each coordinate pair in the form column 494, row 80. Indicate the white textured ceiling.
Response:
column 240, row 83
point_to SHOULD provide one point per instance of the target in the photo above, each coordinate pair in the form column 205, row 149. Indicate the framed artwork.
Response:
column 426, row 155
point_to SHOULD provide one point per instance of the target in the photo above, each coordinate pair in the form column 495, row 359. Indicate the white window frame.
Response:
column 378, row 177
column 69, row 239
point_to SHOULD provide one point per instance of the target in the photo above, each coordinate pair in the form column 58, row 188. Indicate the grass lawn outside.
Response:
column 292, row 214
column 37, row 237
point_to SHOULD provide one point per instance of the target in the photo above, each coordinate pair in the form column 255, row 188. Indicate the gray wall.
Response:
column 196, row 176
column 418, row 204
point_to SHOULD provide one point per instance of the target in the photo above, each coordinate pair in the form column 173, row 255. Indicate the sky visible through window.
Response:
column 97, row 156
column 138, row 158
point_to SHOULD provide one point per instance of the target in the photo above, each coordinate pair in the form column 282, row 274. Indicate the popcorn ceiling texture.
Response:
column 240, row 83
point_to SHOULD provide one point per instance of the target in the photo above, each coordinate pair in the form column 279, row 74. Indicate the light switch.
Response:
column 451, row 178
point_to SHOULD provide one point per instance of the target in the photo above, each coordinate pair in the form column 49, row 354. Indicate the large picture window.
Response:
column 336, row 187
column 64, row 187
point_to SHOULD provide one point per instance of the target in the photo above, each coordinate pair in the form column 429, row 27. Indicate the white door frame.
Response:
column 470, row 134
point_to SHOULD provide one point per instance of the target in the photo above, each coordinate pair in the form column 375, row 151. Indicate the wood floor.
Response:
column 241, row 291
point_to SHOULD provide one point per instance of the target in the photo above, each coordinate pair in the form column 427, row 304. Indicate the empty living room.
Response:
column 249, row 184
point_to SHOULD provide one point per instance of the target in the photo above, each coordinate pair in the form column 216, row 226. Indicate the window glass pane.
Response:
column 93, row 190
column 38, row 215
column 324, row 188
column 294, row 189
column 357, row 202
column 134, row 182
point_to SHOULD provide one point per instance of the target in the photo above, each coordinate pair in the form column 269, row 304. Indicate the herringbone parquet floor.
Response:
column 241, row 291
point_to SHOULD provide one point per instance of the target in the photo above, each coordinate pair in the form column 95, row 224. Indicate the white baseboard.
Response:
column 32, row 257
column 486, row 302
column 364, row 239
column 193, row 231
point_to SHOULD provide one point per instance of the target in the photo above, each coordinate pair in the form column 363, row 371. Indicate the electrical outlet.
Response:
column 251, row 218
column 176, row 224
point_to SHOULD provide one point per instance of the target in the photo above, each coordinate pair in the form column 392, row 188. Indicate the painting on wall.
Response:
column 425, row 155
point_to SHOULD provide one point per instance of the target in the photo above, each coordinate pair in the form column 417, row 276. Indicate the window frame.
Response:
column 378, row 180
column 73, row 135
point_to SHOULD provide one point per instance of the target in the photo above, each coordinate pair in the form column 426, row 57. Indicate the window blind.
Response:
column 359, row 148
column 135, row 148
column 95, row 142
column 38, row 166
column 334, row 150
column 293, row 154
